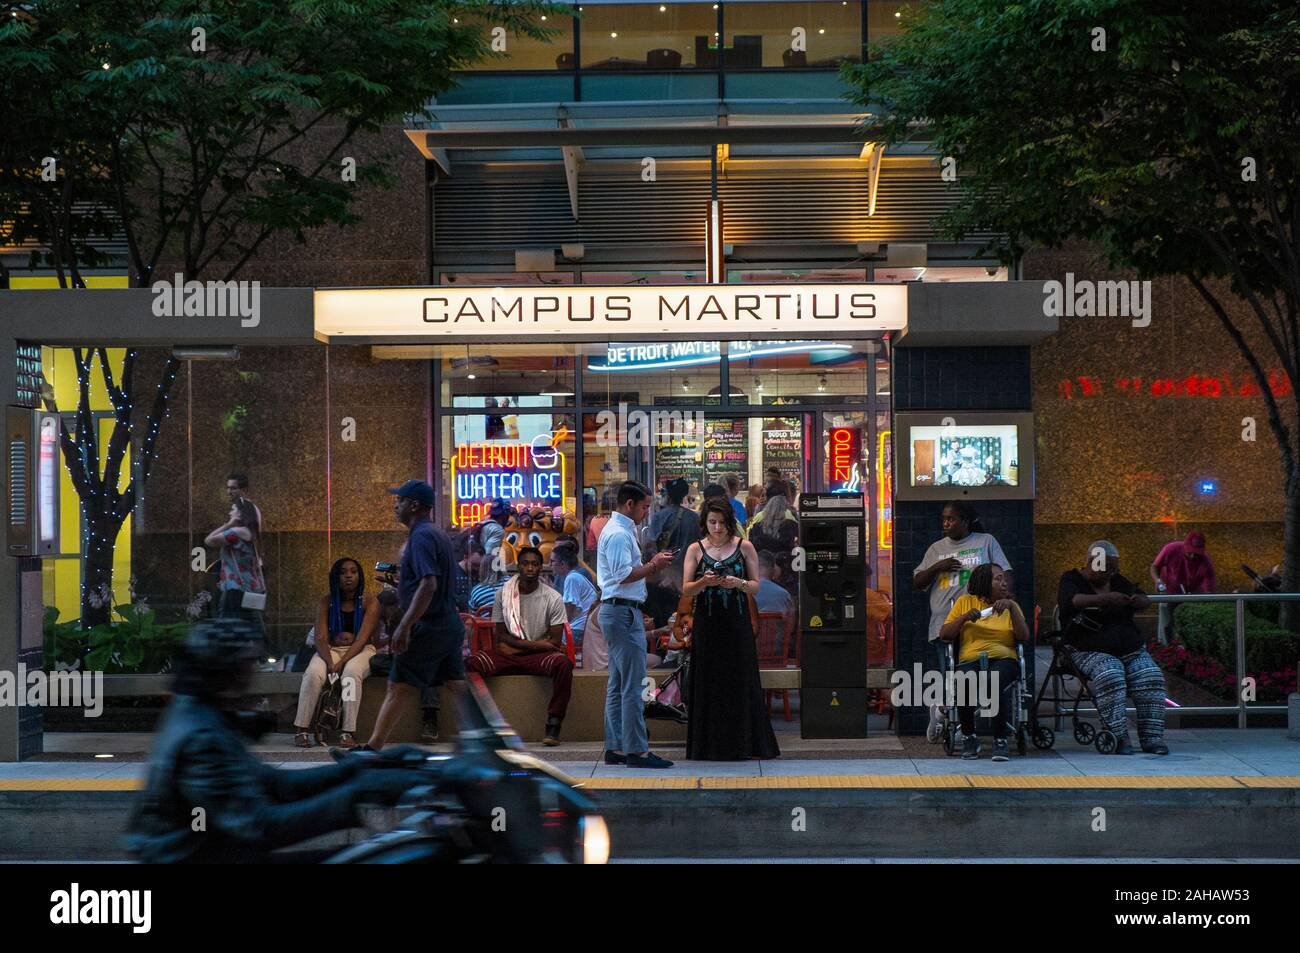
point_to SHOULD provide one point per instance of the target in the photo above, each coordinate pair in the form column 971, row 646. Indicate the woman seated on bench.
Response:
column 987, row 621
column 346, row 621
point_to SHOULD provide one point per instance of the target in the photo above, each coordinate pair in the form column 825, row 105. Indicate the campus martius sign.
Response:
column 529, row 314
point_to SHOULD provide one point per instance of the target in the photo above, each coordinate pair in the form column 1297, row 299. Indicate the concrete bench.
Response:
column 521, row 698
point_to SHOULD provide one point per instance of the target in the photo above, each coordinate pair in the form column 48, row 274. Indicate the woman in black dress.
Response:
column 727, row 715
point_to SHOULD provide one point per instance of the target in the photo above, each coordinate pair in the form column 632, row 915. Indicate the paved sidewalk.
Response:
column 1201, row 758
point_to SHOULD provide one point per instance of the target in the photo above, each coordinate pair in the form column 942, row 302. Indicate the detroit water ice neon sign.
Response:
column 523, row 474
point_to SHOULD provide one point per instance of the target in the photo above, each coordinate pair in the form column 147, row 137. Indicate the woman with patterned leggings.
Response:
column 1096, row 607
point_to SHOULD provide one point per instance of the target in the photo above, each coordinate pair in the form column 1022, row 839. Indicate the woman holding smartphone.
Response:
column 728, row 719
column 987, row 621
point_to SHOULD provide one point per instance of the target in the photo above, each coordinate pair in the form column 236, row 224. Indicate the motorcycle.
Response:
column 489, row 802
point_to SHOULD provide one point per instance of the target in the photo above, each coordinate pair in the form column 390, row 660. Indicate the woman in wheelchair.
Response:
column 1096, row 606
column 985, row 624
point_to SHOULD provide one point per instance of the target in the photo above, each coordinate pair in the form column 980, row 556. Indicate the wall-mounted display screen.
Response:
column 980, row 455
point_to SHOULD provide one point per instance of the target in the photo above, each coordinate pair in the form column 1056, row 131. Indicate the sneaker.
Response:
column 1124, row 747
column 647, row 760
column 429, row 729
column 934, row 732
column 613, row 758
column 552, row 733
column 970, row 748
column 1000, row 750
column 1155, row 747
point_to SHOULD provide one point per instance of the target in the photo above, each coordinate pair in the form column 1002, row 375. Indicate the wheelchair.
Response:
column 1063, row 701
column 1023, row 695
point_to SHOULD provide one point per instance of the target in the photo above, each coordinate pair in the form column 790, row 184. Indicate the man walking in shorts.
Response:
column 427, row 643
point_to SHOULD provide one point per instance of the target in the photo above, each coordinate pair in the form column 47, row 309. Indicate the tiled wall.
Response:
column 991, row 378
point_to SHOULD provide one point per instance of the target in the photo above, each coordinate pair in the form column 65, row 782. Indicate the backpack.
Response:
column 329, row 710
column 666, row 535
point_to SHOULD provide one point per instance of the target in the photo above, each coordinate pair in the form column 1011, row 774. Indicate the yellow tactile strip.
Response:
column 906, row 781
column 1286, row 781
column 71, row 784
column 827, row 781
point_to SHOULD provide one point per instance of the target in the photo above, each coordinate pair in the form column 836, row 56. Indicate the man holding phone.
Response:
column 621, row 576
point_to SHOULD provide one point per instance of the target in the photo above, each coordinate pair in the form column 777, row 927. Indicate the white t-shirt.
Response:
column 974, row 550
column 581, row 593
column 539, row 610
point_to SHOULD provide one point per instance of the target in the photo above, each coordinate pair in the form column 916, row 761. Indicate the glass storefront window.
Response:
column 885, row 19
column 534, row 469
column 652, row 372
column 801, row 372
column 262, row 415
column 504, row 379
column 792, row 35
column 519, row 52
column 656, row 36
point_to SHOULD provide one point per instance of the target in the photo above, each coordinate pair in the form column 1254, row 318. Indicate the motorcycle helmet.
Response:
column 217, row 656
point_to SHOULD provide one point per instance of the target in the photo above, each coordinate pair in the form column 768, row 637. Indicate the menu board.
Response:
column 678, row 457
column 726, row 448
column 723, row 448
column 783, row 446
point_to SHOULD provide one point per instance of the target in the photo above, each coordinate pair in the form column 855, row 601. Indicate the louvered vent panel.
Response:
column 478, row 209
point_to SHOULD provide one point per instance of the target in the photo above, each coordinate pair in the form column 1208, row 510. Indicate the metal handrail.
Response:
column 1240, row 598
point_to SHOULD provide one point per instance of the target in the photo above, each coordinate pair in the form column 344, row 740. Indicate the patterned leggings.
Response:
column 1135, row 674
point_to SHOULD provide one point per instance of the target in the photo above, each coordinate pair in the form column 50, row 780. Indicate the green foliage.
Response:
column 134, row 643
column 1137, row 148
column 1174, row 150
column 205, row 147
column 1210, row 629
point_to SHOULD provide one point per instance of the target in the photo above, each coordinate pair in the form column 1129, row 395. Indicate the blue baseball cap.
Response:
column 416, row 490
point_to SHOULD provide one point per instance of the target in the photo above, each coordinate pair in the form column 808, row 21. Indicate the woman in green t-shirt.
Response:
column 987, row 621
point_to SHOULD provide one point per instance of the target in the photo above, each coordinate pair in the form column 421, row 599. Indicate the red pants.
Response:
column 554, row 665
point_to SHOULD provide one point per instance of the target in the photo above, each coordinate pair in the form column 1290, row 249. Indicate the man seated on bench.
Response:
column 529, row 620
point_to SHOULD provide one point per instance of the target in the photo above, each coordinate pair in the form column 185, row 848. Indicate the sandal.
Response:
column 303, row 739
column 346, row 741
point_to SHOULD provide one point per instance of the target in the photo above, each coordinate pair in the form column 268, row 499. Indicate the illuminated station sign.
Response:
column 525, row 475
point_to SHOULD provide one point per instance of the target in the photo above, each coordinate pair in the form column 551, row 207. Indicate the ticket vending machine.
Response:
column 833, row 616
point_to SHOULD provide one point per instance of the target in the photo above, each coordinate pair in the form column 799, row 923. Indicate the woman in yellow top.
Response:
column 987, row 621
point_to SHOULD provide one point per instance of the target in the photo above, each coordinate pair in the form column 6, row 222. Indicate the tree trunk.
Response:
column 97, row 572
column 1289, row 612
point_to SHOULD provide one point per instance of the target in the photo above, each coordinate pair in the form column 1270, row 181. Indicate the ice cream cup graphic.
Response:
column 544, row 450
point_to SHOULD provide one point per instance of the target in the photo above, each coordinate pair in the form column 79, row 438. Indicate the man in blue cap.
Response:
column 427, row 642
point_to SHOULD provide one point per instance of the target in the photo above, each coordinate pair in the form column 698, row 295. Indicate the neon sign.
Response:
column 640, row 357
column 844, row 457
column 885, row 493
column 523, row 474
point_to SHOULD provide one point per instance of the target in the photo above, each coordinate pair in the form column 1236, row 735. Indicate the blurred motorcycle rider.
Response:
column 208, row 799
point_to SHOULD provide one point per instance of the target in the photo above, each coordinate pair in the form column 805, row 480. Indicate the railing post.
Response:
column 1241, row 662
